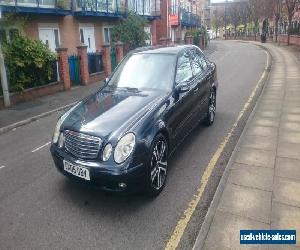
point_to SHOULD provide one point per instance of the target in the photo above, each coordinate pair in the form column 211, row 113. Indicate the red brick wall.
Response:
column 34, row 93
column 162, row 23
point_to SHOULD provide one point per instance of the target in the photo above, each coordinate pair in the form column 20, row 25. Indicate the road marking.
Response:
column 187, row 214
column 2, row 166
column 37, row 149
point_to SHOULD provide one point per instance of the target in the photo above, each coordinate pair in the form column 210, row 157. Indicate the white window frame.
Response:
column 52, row 26
column 87, row 26
column 109, row 27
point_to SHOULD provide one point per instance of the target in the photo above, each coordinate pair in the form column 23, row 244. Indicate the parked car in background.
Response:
column 120, row 138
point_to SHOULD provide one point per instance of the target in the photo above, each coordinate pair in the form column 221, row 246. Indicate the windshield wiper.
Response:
column 130, row 88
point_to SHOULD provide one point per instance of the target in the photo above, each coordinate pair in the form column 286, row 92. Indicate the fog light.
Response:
column 122, row 185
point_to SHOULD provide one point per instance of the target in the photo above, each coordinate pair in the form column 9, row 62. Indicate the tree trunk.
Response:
column 276, row 29
column 289, row 30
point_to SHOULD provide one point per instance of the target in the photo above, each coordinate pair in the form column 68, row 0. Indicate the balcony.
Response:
column 57, row 7
column 150, row 9
column 189, row 19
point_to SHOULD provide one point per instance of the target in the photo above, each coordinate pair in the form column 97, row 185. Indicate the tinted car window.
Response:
column 184, row 71
column 145, row 71
column 197, row 64
column 202, row 60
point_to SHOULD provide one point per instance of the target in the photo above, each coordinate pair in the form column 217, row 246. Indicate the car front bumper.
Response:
column 110, row 178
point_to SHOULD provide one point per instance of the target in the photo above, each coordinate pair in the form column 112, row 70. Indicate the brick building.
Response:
column 72, row 22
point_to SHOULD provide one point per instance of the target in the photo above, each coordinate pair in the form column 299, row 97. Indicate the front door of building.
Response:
column 87, row 36
column 49, row 36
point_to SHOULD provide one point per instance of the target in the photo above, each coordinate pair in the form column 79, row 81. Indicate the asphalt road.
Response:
column 40, row 208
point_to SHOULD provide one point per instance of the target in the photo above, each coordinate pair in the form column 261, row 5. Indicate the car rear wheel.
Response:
column 211, row 111
column 157, row 174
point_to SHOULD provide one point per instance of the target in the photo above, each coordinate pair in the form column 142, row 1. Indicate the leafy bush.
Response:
column 29, row 63
column 131, row 31
column 196, row 34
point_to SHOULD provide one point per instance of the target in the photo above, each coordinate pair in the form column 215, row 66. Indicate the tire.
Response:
column 158, row 165
column 211, row 109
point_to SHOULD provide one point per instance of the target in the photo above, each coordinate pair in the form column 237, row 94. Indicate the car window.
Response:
column 202, row 60
column 184, row 71
column 197, row 64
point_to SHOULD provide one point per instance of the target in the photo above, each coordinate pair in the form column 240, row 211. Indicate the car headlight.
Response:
column 107, row 152
column 57, row 130
column 124, row 148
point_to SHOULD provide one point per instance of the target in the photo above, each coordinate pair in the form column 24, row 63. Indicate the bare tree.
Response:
column 218, row 19
column 234, row 14
column 290, row 6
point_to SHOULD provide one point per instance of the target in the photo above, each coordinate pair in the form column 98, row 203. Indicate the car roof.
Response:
column 162, row 50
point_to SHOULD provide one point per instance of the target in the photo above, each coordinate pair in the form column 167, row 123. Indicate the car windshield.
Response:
column 145, row 71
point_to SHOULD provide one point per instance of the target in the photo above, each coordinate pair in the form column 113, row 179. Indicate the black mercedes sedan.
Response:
column 120, row 138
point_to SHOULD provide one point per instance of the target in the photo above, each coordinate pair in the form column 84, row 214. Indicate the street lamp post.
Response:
column 3, row 75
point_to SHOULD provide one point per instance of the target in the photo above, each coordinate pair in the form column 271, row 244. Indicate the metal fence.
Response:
column 95, row 62
column 74, row 69
column 55, row 74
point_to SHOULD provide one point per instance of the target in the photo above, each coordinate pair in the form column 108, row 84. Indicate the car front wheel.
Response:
column 157, row 174
column 211, row 111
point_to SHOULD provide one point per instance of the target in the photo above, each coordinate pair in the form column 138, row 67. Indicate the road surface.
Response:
column 40, row 208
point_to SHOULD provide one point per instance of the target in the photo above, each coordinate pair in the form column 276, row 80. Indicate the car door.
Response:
column 204, row 82
column 182, row 112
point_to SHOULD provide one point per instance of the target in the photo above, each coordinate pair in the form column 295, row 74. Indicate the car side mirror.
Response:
column 182, row 88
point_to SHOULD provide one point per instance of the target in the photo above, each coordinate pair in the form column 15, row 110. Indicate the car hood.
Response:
column 111, row 111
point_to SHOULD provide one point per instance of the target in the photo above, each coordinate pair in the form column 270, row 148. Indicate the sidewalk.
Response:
column 260, row 188
column 39, row 106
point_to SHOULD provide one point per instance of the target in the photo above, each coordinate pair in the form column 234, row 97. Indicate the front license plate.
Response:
column 76, row 170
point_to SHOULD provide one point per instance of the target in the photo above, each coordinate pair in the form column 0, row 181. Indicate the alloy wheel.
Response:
column 159, row 164
column 212, row 106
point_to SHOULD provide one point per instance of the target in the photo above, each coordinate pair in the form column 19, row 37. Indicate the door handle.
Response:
column 196, row 90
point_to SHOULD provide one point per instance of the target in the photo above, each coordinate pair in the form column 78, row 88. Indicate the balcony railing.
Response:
column 46, row 6
column 188, row 18
column 150, row 8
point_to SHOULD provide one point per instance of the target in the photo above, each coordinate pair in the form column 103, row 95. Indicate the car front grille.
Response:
column 81, row 145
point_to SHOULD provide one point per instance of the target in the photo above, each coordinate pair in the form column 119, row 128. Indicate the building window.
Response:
column 8, row 34
column 87, row 37
column 50, row 37
column 81, row 36
column 107, row 34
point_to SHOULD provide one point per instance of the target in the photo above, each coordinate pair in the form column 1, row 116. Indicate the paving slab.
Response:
column 224, row 232
column 263, row 131
column 291, row 137
column 285, row 217
column 286, row 191
column 266, row 122
column 247, row 202
column 290, row 126
column 288, row 168
column 269, row 114
column 259, row 142
column 288, row 150
column 255, row 157
column 291, row 117
column 251, row 176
